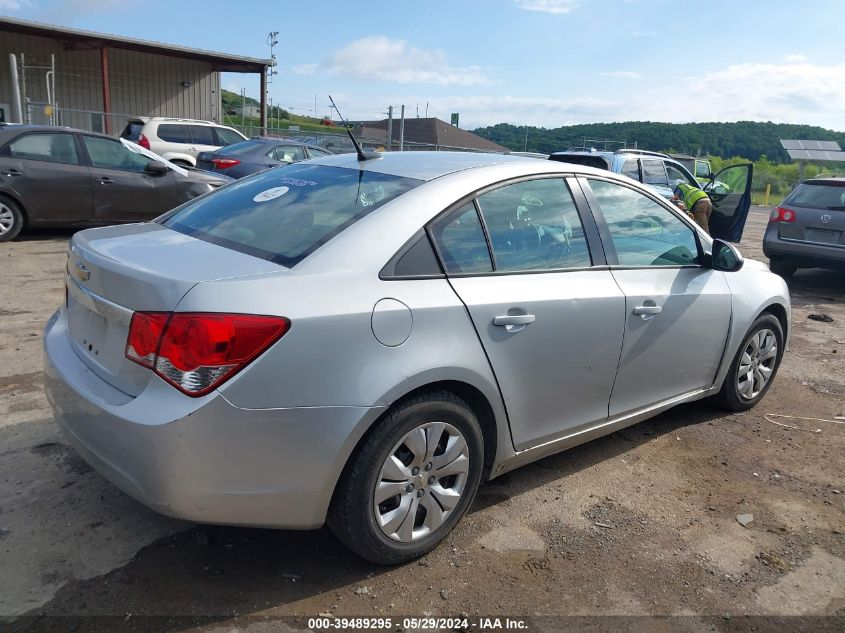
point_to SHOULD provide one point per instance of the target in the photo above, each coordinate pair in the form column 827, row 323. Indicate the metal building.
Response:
column 95, row 81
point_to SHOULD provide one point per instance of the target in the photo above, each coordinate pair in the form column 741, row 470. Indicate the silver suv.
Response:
column 729, row 189
column 179, row 140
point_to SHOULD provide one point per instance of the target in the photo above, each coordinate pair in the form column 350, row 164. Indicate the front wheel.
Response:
column 411, row 480
column 11, row 220
column 754, row 367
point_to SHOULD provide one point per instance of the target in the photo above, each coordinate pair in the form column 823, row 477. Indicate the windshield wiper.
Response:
column 836, row 207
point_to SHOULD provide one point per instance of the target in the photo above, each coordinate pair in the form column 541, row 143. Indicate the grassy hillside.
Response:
column 744, row 138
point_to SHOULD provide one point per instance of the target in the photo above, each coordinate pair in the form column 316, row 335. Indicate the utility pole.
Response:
column 315, row 105
column 526, row 138
column 272, row 42
column 389, row 128
column 243, row 105
column 402, row 130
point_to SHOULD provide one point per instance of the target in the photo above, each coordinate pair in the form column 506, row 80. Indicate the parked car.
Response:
column 698, row 167
column 365, row 342
column 257, row 154
column 808, row 229
column 57, row 176
column 729, row 190
column 179, row 140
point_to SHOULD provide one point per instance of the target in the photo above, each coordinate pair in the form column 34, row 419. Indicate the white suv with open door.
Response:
column 179, row 140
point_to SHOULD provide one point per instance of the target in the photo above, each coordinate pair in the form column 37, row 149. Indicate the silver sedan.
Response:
column 365, row 342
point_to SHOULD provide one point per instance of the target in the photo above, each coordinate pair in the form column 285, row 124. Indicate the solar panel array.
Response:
column 828, row 146
column 814, row 150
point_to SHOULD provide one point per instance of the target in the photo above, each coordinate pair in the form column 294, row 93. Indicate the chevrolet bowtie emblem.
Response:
column 81, row 273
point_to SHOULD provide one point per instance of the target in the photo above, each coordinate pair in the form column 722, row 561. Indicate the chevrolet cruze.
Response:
column 364, row 342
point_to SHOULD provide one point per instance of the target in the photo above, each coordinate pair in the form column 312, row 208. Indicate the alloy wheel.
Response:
column 757, row 364
column 7, row 219
column 421, row 481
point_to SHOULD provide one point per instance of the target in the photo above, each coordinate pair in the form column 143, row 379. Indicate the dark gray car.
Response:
column 808, row 229
column 58, row 176
column 257, row 154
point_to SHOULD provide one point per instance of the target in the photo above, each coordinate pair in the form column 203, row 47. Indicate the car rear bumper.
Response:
column 202, row 459
column 803, row 253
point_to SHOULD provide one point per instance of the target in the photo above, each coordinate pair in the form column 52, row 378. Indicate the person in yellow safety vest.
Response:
column 697, row 203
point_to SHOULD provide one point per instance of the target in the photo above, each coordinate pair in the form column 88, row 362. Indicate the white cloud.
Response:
column 783, row 93
column 644, row 33
column 547, row 6
column 382, row 58
column 14, row 5
column 622, row 74
column 305, row 69
column 795, row 57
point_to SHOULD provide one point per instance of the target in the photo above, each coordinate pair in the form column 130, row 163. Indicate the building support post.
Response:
column 264, row 101
column 104, row 67
column 402, row 130
column 389, row 128
column 17, row 109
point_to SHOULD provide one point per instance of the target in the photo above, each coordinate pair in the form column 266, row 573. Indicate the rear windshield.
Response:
column 581, row 159
column 244, row 147
column 132, row 131
column 283, row 215
column 819, row 196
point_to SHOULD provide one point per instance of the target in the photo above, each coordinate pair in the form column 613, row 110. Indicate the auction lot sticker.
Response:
column 271, row 194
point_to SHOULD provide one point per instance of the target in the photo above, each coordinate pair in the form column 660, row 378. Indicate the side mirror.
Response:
column 725, row 257
column 156, row 168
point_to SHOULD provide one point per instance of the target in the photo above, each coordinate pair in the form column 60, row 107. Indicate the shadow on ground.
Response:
column 211, row 574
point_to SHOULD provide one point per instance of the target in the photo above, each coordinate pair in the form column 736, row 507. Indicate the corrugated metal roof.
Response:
column 91, row 39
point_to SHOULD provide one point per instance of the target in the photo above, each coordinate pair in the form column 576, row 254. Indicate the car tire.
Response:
column 11, row 219
column 782, row 267
column 752, row 370
column 391, row 460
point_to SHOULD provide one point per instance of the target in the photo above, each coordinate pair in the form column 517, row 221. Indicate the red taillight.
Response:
column 196, row 352
column 782, row 215
column 143, row 141
column 224, row 163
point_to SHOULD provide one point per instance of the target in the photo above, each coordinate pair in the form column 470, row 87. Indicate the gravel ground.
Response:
column 642, row 522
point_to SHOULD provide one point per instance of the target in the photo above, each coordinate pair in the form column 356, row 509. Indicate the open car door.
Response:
column 730, row 192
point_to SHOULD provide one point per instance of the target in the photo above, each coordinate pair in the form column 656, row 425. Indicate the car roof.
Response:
column 838, row 181
column 276, row 139
column 430, row 165
column 18, row 128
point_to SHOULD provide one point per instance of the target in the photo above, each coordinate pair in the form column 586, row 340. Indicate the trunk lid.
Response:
column 115, row 271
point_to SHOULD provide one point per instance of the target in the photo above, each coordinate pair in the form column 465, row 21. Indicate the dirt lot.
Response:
column 643, row 522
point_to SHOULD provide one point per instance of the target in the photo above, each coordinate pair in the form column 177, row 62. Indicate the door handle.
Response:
column 647, row 312
column 13, row 172
column 105, row 180
column 514, row 319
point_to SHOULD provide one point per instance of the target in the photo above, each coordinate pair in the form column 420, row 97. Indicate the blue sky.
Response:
column 539, row 62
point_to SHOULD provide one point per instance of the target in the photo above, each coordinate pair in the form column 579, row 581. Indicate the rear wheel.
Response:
column 754, row 367
column 411, row 480
column 11, row 219
column 782, row 267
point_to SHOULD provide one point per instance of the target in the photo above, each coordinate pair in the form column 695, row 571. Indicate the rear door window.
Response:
column 654, row 172
column 289, row 153
column 285, row 215
column 52, row 148
column 202, row 135
column 631, row 169
column 173, row 133
column 534, row 225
